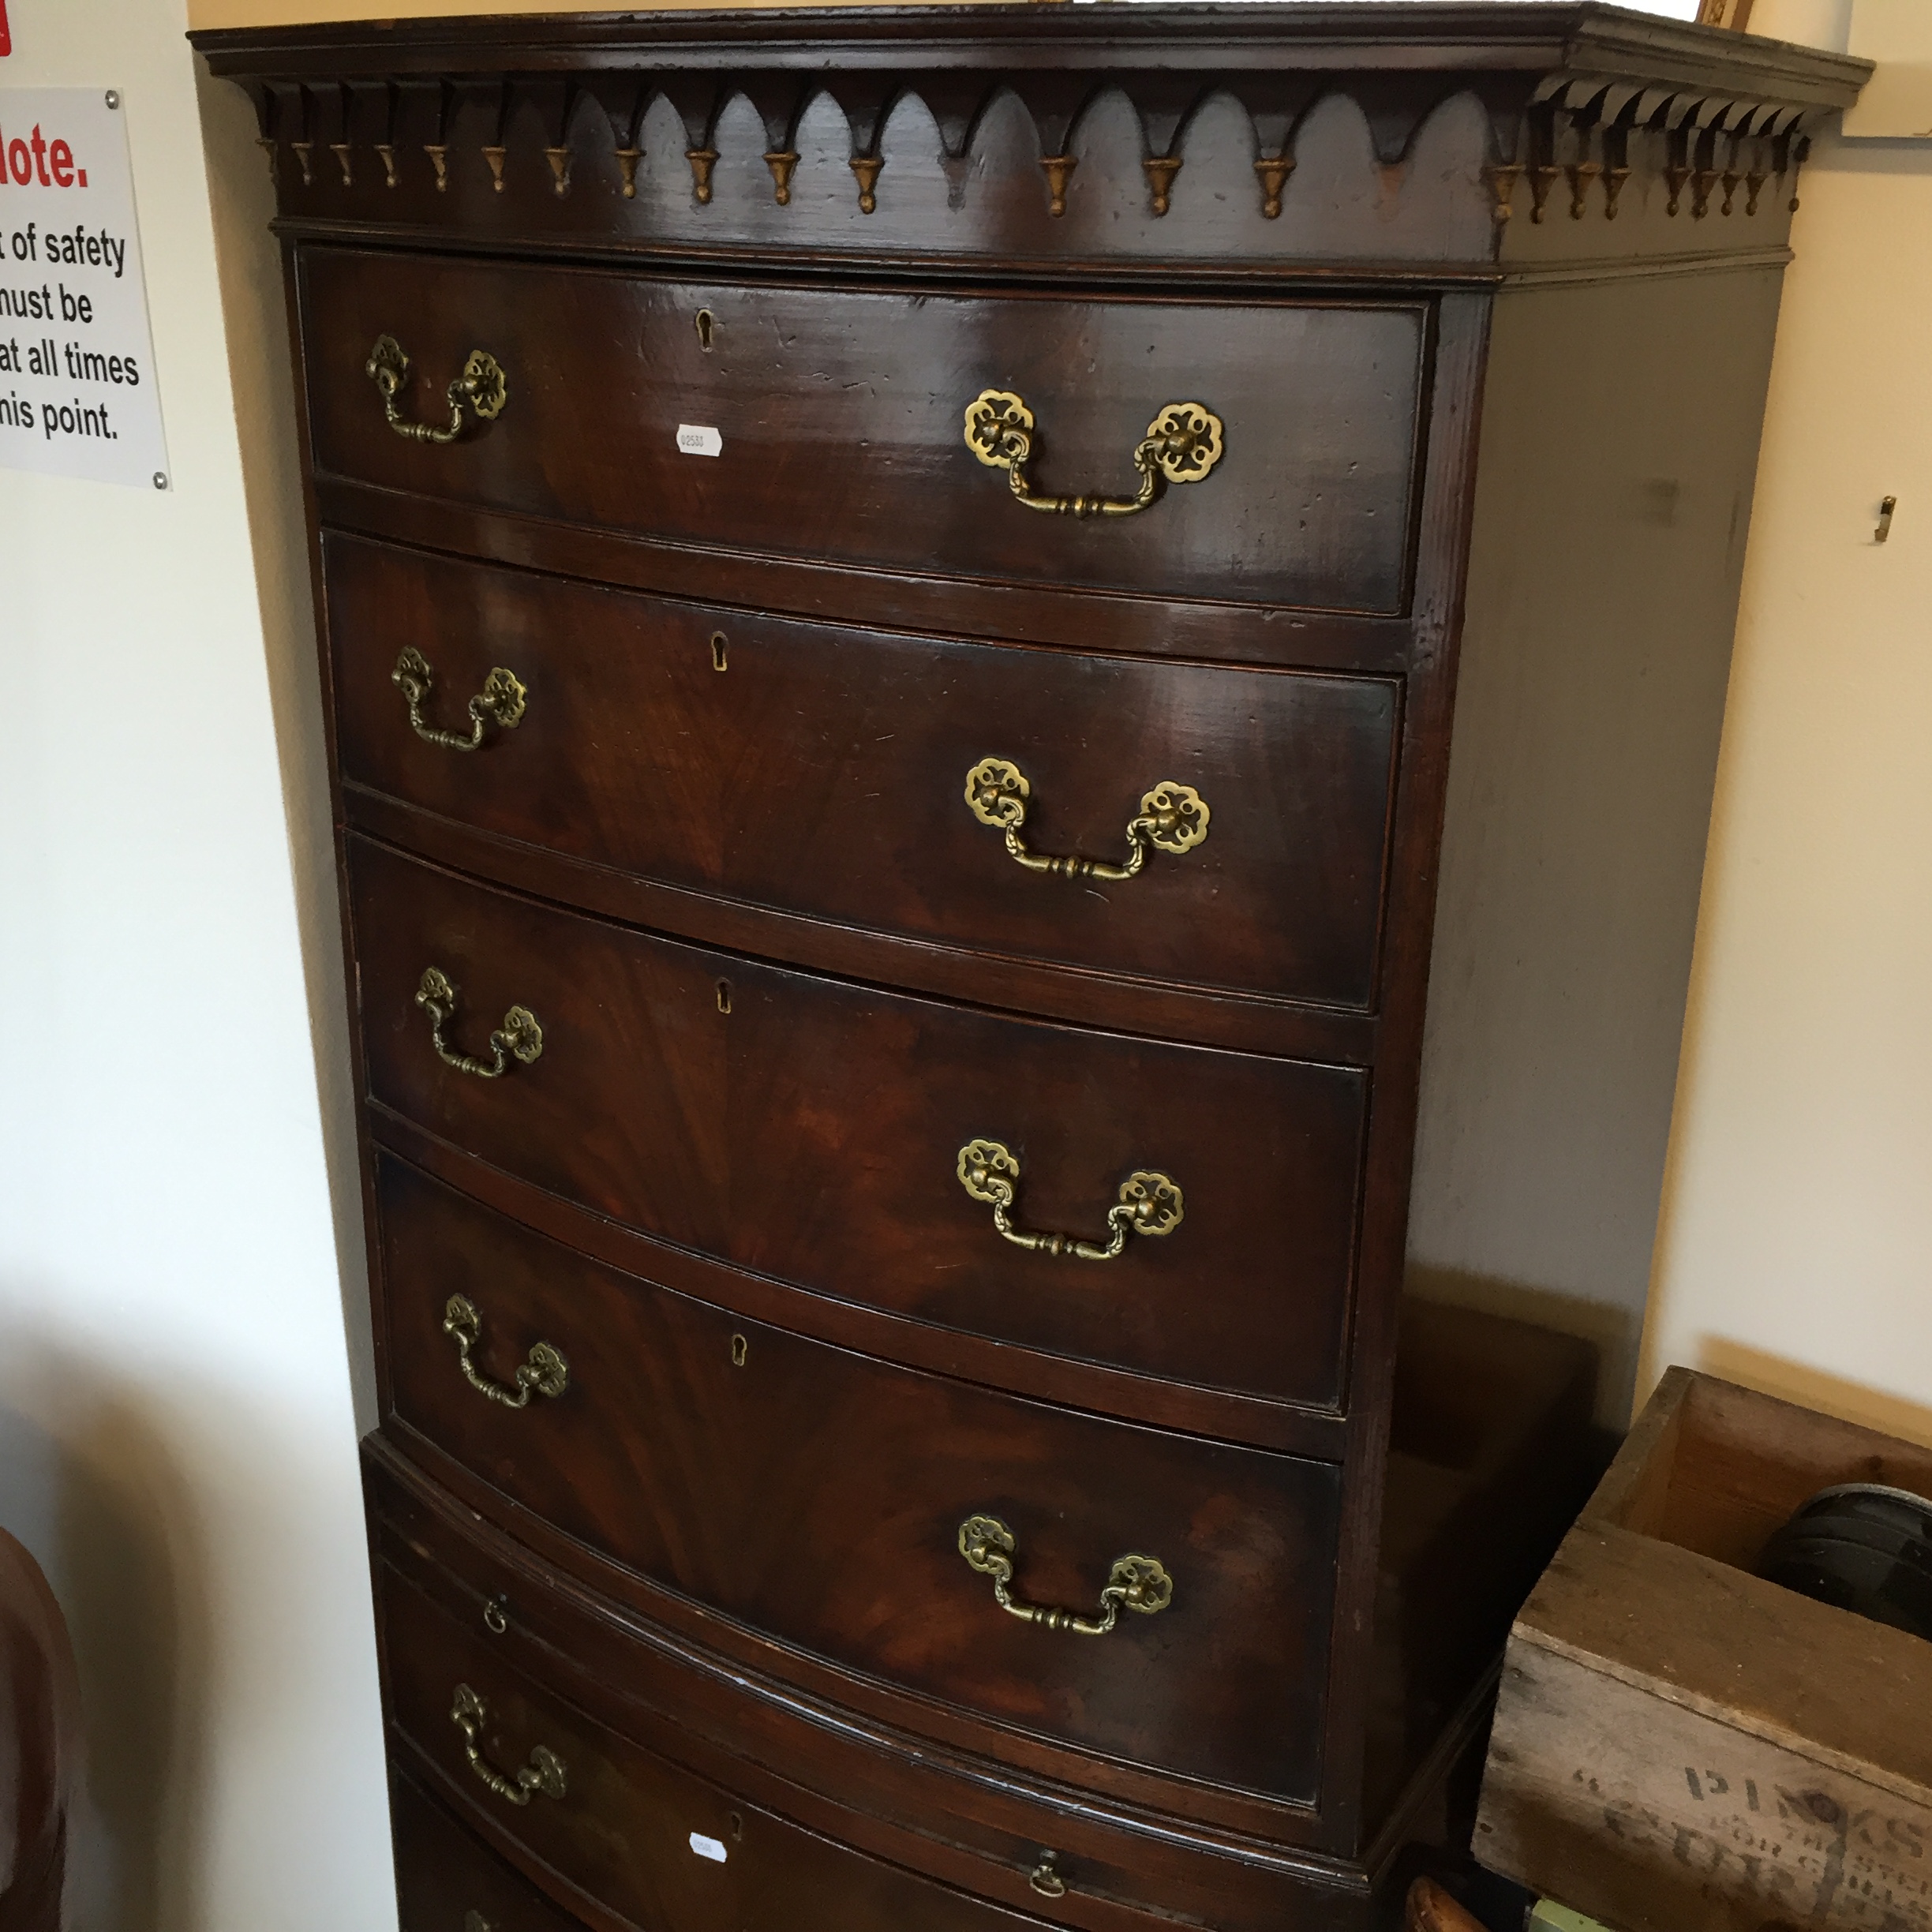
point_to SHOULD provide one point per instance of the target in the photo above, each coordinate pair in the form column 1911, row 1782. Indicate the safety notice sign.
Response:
column 78, row 396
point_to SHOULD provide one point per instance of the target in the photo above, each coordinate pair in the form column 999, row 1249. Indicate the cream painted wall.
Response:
column 176, row 1424
column 1795, row 1247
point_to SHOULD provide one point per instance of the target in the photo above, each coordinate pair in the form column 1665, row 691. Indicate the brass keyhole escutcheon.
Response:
column 740, row 1348
column 724, row 996
column 737, row 1826
column 718, row 641
column 705, row 326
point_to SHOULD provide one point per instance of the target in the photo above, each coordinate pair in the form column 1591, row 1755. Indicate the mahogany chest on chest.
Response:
column 929, row 619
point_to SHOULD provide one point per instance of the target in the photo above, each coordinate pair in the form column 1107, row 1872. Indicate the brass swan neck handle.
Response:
column 1173, row 818
column 482, row 388
column 1150, row 1202
column 1182, row 445
column 1136, row 1583
column 543, row 1772
column 519, row 1038
column 544, row 1372
column 502, row 702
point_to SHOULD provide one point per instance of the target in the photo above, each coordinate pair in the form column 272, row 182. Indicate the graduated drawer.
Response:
column 840, row 421
column 445, row 1874
column 824, row 771
column 816, row 1131
column 819, row 1496
column 627, row 1829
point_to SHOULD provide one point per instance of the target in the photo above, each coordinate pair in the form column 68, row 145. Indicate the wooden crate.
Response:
column 1680, row 1745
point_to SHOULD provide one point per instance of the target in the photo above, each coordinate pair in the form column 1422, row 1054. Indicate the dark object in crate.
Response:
column 1861, row 1547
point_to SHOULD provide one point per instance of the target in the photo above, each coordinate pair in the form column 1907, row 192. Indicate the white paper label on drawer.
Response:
column 707, row 1848
column 700, row 439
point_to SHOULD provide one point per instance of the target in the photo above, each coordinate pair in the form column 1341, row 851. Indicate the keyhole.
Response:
column 740, row 1348
column 737, row 1826
column 724, row 996
column 718, row 650
column 704, row 330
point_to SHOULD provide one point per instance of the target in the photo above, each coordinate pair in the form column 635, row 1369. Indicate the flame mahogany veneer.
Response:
column 694, row 1353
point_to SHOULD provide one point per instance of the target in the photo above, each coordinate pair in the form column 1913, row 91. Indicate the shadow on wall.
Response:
column 255, row 315
column 1614, row 1332
column 1812, row 1388
column 90, row 1484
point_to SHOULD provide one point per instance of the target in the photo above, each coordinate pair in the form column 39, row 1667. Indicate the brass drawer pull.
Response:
column 1150, row 1204
column 1137, row 1582
column 502, row 702
column 1173, row 818
column 1045, row 1878
column 519, row 1038
column 545, row 1370
column 543, row 1772
column 482, row 386
column 1182, row 444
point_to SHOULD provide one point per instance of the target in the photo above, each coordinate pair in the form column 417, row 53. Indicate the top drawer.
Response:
column 838, row 417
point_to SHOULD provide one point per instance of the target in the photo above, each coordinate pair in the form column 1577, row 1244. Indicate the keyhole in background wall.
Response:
column 704, row 330
column 718, row 650
column 740, row 1348
column 724, row 996
column 737, row 1826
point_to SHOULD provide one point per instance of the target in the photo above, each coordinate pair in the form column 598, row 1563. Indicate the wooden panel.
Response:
column 822, row 771
column 1589, row 697
column 1679, row 1741
column 816, row 1495
column 444, row 1873
column 623, row 1832
column 812, row 1133
column 841, row 415
column 835, row 1760
column 1664, row 1817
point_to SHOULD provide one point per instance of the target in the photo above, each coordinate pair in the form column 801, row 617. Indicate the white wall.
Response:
column 176, row 1427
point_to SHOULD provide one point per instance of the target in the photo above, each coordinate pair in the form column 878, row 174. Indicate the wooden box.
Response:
column 1680, row 1744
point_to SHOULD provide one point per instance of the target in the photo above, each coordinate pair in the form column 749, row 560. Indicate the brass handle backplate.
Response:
column 519, row 1038
column 482, row 388
column 1173, row 818
column 543, row 1772
column 544, row 1372
column 502, row 702
column 1150, row 1202
column 1135, row 1583
column 1182, row 445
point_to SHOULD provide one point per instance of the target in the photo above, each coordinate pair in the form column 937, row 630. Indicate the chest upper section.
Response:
column 1391, row 138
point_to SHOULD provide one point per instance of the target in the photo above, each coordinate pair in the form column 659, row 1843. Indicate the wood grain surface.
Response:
column 823, row 772
column 840, row 415
column 817, row 1496
column 813, row 1133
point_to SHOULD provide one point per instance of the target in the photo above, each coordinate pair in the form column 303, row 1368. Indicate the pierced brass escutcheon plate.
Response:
column 483, row 388
column 1136, row 1583
column 502, row 702
column 1173, row 818
column 1182, row 445
column 1149, row 1203
column 544, row 1372
column 519, row 1038
column 545, row 1772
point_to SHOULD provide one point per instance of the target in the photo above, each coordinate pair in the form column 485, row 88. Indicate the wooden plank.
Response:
column 1656, row 1817
column 1693, row 1631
